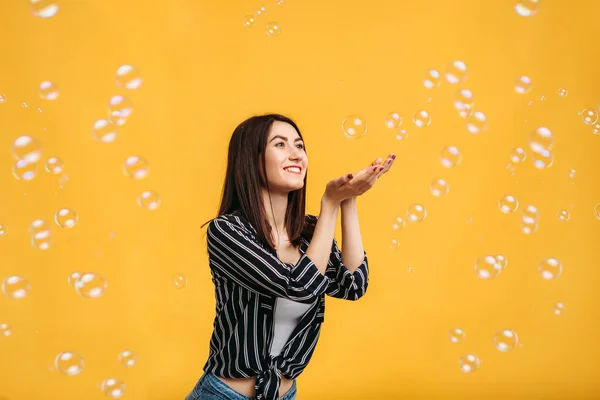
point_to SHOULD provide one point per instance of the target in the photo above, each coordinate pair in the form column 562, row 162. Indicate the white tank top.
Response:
column 287, row 315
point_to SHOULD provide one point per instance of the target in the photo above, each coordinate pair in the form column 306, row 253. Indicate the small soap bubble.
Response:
column 91, row 285
column 48, row 90
column 523, row 85
column 508, row 204
column 401, row 134
column 450, row 156
column 506, row 340
column 149, row 199
column 500, row 259
column 135, row 167
column 113, row 388
column 25, row 104
column 416, row 213
column 273, row 29
column 597, row 211
column 66, row 218
column 127, row 358
column 394, row 244
column 249, row 21
column 15, row 287
column 558, row 308
column 128, row 77
column 260, row 11
column 43, row 8
column 572, row 173
column 73, row 277
column 550, row 268
column 463, row 102
column 354, row 126
column 393, row 120
column 119, row 110
column 468, row 363
column 542, row 159
column 3, row 98
column 54, row 165
column 456, row 72
column 487, row 267
column 563, row 92
column 40, row 232
column 178, row 281
column 398, row 223
column 518, row 155
column 456, row 335
column 439, row 187
column 5, row 330
column 104, row 131
column 589, row 116
column 3, row 230
column 26, row 148
column 409, row 269
column 596, row 129
column 69, row 363
column 541, row 139
column 476, row 122
column 527, row 8
column 433, row 78
column 421, row 119
column 563, row 215
column 24, row 170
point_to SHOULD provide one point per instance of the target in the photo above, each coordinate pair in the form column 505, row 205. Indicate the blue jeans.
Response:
column 209, row 387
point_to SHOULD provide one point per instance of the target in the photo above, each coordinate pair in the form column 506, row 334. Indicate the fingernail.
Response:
column 394, row 157
column 381, row 168
column 350, row 176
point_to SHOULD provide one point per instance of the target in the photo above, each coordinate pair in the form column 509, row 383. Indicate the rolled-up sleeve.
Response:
column 344, row 284
column 234, row 254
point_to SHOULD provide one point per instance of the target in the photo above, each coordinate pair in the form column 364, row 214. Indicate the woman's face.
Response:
column 285, row 148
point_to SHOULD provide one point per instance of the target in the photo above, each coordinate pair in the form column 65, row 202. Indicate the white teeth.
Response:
column 292, row 169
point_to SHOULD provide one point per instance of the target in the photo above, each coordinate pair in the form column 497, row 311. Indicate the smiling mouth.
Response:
column 293, row 171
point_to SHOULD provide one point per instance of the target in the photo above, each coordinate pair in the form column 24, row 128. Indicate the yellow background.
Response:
column 203, row 73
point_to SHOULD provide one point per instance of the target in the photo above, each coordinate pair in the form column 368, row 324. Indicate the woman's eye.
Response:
column 301, row 145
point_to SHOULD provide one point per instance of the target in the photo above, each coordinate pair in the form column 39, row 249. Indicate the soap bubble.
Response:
column 26, row 148
column 518, row 155
column 589, row 116
column 457, row 335
column 15, row 287
column 439, row 187
column 450, row 156
column 563, row 92
column 542, row 159
column 476, row 122
column 135, row 167
column 500, row 259
column 508, row 204
column 119, row 110
column 249, row 21
column 563, row 215
column 24, row 170
column 456, row 72
column 69, row 363
column 523, row 85
column 149, row 200
column 401, row 134
column 541, row 139
column 550, row 268
column 463, row 102
column 104, row 131
column 128, row 77
column 354, row 127
column 48, row 90
column 54, row 165
column 527, row 8
column 416, row 213
column 3, row 230
column 5, row 330
column 113, row 388
column 91, row 285
column 506, row 340
column 432, row 79
column 66, row 218
column 487, row 267
column 393, row 120
column 273, row 29
column 558, row 308
column 421, row 119
column 398, row 223
column 178, row 281
column 43, row 8
column 260, row 11
column 468, row 363
column 127, row 358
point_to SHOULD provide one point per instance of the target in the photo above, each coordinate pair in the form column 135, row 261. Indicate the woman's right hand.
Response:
column 348, row 186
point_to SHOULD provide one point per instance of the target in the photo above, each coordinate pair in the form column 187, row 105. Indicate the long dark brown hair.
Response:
column 243, row 181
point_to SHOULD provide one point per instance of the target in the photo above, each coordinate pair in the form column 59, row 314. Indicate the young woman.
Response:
column 272, row 265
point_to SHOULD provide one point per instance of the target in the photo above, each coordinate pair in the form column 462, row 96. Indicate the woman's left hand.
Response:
column 386, row 166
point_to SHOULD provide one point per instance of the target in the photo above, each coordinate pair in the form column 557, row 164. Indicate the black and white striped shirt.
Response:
column 248, row 277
